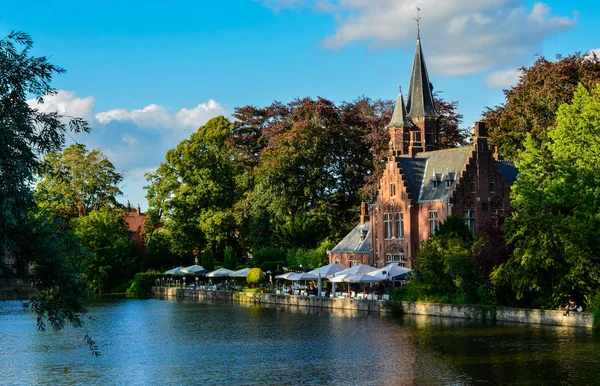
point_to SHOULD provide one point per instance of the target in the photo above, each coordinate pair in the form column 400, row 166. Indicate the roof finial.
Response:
column 418, row 20
column 399, row 89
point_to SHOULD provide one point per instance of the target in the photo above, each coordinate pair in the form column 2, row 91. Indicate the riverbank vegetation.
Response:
column 279, row 185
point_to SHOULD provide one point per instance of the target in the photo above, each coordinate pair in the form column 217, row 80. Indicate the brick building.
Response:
column 421, row 185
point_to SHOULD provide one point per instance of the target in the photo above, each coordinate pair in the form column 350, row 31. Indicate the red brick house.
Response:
column 135, row 222
column 421, row 185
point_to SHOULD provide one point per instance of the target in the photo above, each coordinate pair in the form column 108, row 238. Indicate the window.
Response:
column 354, row 263
column 399, row 225
column 497, row 213
column 397, row 257
column 492, row 187
column 393, row 189
column 470, row 219
column 337, row 262
column 433, row 222
column 472, row 187
column 448, row 183
column 387, row 223
column 436, row 183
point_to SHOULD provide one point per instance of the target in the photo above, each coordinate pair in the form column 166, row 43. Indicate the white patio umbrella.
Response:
column 328, row 270
column 339, row 279
column 194, row 269
column 360, row 268
column 240, row 273
column 221, row 272
column 174, row 271
column 364, row 278
column 302, row 276
column 390, row 271
column 285, row 275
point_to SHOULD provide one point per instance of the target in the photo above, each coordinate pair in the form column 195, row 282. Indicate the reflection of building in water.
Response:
column 423, row 184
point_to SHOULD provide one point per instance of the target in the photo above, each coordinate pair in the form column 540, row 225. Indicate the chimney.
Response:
column 139, row 210
column 364, row 212
column 128, row 205
column 415, row 145
column 480, row 137
column 480, row 129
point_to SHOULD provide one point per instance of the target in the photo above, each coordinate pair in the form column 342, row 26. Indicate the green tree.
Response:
column 195, row 190
column 229, row 258
column 447, row 271
column 27, row 135
column 105, row 234
column 77, row 181
column 554, row 226
column 532, row 104
column 208, row 260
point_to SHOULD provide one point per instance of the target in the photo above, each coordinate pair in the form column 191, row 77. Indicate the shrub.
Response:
column 252, row 290
column 144, row 281
column 229, row 259
column 255, row 276
column 208, row 260
column 267, row 254
column 272, row 266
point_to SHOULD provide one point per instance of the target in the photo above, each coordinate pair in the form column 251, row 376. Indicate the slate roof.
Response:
column 399, row 118
column 420, row 98
column 441, row 165
column 353, row 241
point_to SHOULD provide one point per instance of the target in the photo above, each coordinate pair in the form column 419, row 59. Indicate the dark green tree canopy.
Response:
column 26, row 136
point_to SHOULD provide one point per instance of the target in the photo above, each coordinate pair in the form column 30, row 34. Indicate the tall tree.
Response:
column 77, row 181
column 554, row 226
column 195, row 189
column 27, row 134
column 531, row 105
column 106, row 236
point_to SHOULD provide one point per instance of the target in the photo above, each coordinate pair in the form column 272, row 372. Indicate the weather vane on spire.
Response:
column 418, row 20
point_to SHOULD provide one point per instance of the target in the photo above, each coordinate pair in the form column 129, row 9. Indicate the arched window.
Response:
column 395, row 254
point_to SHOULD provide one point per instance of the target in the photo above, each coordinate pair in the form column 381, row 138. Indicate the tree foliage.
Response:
column 556, row 201
column 106, row 236
column 532, row 104
column 255, row 276
column 77, row 181
column 27, row 134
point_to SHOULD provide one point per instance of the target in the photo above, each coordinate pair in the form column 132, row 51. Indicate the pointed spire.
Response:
column 420, row 98
column 399, row 117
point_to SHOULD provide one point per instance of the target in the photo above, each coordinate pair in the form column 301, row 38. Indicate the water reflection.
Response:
column 176, row 342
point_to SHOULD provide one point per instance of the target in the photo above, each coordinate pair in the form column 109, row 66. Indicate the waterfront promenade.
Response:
column 506, row 314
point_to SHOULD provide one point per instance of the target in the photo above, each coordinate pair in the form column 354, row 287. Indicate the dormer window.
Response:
column 437, row 179
column 435, row 183
column 448, row 183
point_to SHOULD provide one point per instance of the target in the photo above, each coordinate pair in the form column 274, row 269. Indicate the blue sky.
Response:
column 147, row 73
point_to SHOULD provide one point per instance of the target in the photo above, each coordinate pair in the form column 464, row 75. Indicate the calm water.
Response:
column 180, row 342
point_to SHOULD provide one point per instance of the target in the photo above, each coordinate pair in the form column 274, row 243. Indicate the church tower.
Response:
column 420, row 105
column 399, row 128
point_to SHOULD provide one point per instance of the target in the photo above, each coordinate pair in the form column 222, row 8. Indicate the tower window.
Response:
column 393, row 189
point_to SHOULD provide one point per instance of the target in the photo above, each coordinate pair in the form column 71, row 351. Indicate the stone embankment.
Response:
column 505, row 314
column 15, row 289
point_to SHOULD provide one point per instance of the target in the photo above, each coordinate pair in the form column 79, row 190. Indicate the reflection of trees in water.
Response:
column 509, row 353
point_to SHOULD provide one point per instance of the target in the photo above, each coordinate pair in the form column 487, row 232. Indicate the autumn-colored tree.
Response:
column 531, row 105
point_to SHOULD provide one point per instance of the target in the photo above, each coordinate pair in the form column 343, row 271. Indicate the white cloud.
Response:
column 594, row 51
column 158, row 117
column 67, row 103
column 129, row 139
column 459, row 36
column 503, row 79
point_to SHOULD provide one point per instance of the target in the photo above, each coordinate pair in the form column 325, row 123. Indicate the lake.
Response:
column 179, row 342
